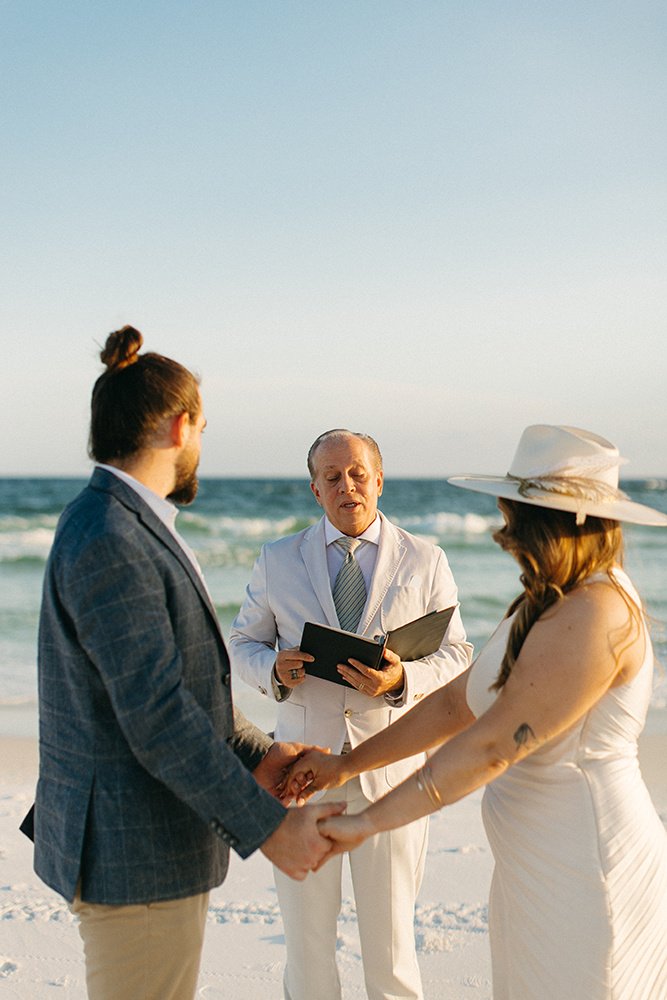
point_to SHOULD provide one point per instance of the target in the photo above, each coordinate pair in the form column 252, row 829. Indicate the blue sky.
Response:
column 435, row 222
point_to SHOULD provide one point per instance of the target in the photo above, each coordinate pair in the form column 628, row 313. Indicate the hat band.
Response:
column 577, row 488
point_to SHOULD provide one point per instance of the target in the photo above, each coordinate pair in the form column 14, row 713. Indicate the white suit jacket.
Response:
column 290, row 585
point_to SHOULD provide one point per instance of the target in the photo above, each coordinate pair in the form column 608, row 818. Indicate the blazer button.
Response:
column 226, row 679
column 262, row 690
column 348, row 713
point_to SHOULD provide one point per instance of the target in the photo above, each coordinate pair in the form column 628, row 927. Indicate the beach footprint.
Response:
column 7, row 968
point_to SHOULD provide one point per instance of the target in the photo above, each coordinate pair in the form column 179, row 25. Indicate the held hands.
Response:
column 312, row 772
column 308, row 837
column 273, row 772
column 345, row 832
column 289, row 666
column 298, row 845
column 374, row 682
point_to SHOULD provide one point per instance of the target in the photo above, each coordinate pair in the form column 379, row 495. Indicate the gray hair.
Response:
column 338, row 434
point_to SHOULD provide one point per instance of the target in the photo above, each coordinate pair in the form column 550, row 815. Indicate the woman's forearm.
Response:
column 466, row 761
column 429, row 724
column 453, row 772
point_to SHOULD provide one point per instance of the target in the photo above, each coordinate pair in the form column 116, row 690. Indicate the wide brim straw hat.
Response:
column 565, row 468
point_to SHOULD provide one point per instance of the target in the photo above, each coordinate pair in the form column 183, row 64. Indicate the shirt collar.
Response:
column 371, row 534
column 161, row 507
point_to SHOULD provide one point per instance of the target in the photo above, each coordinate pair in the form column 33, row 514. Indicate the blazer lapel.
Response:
column 106, row 481
column 390, row 554
column 314, row 554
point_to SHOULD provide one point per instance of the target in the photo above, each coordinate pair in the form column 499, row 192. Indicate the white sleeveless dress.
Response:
column 578, row 906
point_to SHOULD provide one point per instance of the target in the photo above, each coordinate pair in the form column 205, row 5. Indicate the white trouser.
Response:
column 386, row 874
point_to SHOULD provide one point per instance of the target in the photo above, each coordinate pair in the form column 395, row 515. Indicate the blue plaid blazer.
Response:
column 144, row 778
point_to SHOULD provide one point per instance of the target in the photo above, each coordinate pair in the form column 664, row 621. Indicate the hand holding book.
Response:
column 289, row 668
column 331, row 646
column 389, row 678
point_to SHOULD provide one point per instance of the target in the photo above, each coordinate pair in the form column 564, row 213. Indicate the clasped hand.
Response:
column 297, row 845
column 274, row 770
column 309, row 836
column 314, row 770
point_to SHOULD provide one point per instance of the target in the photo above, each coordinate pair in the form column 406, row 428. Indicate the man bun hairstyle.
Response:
column 122, row 348
column 134, row 395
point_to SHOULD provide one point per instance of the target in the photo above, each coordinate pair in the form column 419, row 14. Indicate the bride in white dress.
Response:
column 547, row 717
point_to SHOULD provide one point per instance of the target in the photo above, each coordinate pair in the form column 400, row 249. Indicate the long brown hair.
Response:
column 134, row 394
column 556, row 555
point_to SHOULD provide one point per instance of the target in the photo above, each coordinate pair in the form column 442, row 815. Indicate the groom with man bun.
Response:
column 147, row 773
column 354, row 570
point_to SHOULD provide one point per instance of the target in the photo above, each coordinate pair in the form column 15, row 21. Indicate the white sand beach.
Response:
column 41, row 955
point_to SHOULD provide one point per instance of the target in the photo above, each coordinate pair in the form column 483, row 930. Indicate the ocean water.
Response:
column 230, row 520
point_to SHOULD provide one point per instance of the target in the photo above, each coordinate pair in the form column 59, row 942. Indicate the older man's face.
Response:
column 347, row 484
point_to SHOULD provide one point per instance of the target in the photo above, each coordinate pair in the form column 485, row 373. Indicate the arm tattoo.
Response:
column 523, row 734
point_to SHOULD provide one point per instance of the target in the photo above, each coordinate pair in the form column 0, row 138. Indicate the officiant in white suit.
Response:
column 354, row 570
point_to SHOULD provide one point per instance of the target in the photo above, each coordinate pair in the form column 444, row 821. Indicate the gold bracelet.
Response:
column 433, row 791
column 425, row 783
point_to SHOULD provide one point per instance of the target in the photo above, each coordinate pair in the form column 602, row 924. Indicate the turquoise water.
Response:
column 230, row 520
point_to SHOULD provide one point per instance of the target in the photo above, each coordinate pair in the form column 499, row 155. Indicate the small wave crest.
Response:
column 32, row 544
column 240, row 527
column 446, row 524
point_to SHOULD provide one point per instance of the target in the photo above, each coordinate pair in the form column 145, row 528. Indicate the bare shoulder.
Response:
column 590, row 604
column 596, row 621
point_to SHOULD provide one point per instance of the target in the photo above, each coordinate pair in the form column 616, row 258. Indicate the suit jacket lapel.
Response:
column 106, row 481
column 390, row 554
column 314, row 554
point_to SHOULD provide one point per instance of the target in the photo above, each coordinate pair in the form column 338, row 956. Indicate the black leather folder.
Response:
column 331, row 646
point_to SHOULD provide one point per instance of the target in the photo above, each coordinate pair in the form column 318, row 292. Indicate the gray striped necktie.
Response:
column 349, row 590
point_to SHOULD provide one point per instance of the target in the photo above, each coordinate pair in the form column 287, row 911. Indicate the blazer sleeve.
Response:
column 455, row 653
column 249, row 742
column 124, row 603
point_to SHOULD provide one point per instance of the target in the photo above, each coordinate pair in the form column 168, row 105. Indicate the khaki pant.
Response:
column 142, row 952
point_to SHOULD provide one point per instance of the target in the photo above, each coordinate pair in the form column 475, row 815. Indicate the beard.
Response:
column 186, row 482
